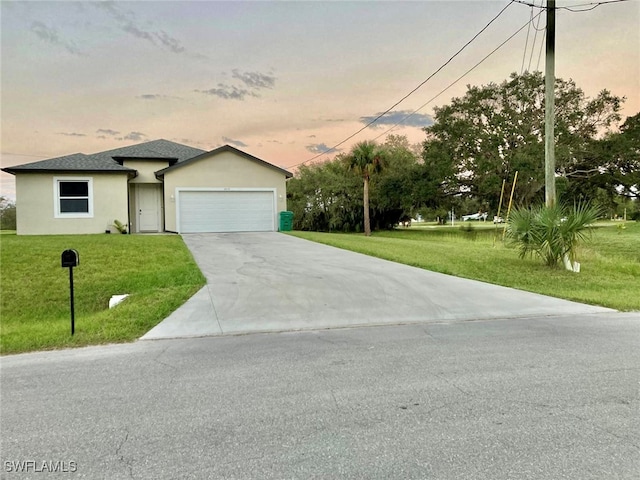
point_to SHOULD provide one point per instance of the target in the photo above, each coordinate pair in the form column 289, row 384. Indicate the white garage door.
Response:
column 226, row 211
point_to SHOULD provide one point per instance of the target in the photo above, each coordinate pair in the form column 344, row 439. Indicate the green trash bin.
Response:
column 286, row 221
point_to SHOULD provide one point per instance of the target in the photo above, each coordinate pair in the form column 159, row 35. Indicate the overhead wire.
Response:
column 23, row 154
column 457, row 79
column 526, row 43
column 411, row 92
column 535, row 38
column 541, row 48
column 573, row 8
column 592, row 5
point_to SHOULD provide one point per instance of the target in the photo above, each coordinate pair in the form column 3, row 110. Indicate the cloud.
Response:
column 229, row 92
column 190, row 142
column 169, row 42
column 50, row 35
column 237, row 143
column 155, row 96
column 255, row 80
column 402, row 117
column 103, row 132
column 107, row 131
column 321, row 148
column 150, row 96
column 128, row 23
column 136, row 32
column 71, row 134
column 252, row 83
column 134, row 136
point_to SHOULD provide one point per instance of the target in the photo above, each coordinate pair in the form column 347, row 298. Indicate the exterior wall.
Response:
column 146, row 170
column 223, row 170
column 35, row 204
column 131, row 191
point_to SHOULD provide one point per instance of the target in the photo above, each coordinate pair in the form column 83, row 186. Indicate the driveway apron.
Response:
column 266, row 282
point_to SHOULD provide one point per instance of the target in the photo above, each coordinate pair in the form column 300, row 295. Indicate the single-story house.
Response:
column 154, row 186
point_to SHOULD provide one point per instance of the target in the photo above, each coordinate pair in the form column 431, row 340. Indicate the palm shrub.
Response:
column 552, row 233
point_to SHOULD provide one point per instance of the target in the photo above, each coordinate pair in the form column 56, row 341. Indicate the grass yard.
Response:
column 610, row 262
column 157, row 271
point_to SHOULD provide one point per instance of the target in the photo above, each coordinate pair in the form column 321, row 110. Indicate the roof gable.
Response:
column 155, row 149
column 224, row 148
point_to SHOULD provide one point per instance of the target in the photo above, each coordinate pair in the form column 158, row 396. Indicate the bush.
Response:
column 551, row 233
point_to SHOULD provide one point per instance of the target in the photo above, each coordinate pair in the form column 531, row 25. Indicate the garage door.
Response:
column 226, row 211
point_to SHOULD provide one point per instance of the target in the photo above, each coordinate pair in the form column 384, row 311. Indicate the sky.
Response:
column 283, row 81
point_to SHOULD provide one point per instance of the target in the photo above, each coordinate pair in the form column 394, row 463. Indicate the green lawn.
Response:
column 610, row 262
column 157, row 271
column 160, row 275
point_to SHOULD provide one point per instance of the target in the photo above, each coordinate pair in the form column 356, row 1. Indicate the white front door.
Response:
column 149, row 207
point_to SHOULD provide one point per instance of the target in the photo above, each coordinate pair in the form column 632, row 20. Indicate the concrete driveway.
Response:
column 266, row 282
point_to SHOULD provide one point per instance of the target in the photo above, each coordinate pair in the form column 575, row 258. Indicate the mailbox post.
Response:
column 70, row 259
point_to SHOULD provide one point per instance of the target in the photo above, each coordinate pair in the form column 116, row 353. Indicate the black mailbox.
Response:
column 70, row 258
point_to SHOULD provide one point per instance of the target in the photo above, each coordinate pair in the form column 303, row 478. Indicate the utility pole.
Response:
column 549, row 107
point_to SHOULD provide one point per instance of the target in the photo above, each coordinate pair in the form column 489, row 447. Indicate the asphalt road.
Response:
column 545, row 398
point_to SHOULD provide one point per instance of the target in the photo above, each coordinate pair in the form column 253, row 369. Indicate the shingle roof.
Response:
column 76, row 162
column 104, row 161
column 154, row 149
column 110, row 161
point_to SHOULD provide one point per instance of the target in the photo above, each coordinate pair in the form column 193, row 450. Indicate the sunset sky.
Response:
column 283, row 81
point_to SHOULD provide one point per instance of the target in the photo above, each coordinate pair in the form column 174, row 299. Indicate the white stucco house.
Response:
column 155, row 186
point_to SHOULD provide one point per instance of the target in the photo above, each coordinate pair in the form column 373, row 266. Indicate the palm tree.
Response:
column 366, row 158
column 552, row 233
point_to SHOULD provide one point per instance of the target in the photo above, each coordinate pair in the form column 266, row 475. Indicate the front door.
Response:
column 149, row 207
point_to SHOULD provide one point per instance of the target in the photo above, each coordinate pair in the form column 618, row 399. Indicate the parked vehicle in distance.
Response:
column 497, row 219
column 475, row 216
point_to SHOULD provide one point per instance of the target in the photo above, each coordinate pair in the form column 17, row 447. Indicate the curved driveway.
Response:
column 265, row 282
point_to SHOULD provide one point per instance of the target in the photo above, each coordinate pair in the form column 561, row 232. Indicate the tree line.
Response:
column 7, row 214
column 476, row 142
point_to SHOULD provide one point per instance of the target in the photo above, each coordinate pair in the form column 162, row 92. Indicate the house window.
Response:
column 73, row 197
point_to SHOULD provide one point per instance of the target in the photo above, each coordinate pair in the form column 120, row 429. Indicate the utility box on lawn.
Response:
column 286, row 221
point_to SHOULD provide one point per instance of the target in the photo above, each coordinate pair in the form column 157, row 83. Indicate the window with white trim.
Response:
column 73, row 197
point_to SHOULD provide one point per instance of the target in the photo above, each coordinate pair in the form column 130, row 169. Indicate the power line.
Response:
column 22, row 154
column 535, row 37
column 540, row 52
column 526, row 42
column 411, row 92
column 573, row 8
column 460, row 77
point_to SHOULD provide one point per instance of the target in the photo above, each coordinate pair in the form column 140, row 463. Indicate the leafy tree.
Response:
column 605, row 168
column 326, row 197
column 497, row 129
column 7, row 214
column 620, row 157
column 329, row 196
column 394, row 195
column 365, row 159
